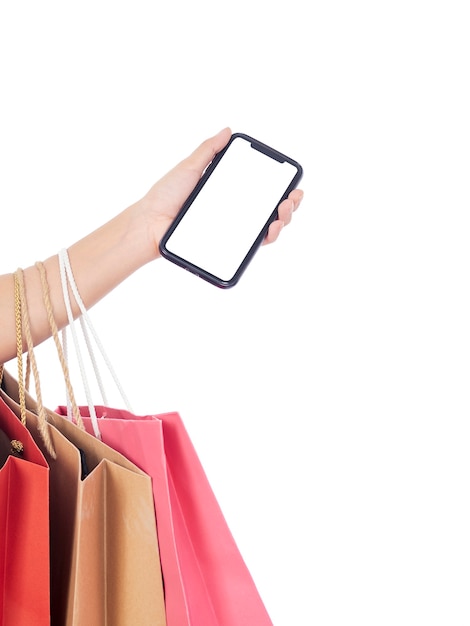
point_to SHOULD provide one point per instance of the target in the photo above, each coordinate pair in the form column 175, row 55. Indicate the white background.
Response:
column 328, row 393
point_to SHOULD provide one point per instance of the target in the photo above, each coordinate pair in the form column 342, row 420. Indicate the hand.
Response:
column 166, row 197
column 285, row 210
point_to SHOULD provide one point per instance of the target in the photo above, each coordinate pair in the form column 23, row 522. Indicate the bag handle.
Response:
column 68, row 280
column 9, row 447
column 55, row 335
column 23, row 328
column 14, row 447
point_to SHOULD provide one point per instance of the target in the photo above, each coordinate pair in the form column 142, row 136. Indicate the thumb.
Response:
column 203, row 155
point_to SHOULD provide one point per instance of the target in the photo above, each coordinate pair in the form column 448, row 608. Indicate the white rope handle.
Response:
column 67, row 278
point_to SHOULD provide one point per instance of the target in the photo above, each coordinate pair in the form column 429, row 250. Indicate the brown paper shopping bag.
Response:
column 105, row 562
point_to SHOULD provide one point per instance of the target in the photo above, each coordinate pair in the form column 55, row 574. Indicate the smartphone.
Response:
column 226, row 217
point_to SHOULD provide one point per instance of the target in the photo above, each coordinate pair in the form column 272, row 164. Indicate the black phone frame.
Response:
column 200, row 272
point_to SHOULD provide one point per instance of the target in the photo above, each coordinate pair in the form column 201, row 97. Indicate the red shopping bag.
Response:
column 206, row 580
column 24, row 527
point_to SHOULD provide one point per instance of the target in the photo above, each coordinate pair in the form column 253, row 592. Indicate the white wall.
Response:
column 327, row 394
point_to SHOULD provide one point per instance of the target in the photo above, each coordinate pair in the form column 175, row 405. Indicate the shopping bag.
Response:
column 105, row 561
column 207, row 582
column 24, row 526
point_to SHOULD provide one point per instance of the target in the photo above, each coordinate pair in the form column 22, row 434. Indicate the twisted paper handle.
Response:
column 55, row 334
column 23, row 330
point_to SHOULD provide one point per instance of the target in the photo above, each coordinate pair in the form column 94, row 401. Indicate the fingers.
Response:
column 203, row 155
column 273, row 232
column 289, row 205
column 285, row 211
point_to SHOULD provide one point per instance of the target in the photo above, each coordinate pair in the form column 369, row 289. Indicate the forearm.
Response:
column 107, row 256
column 100, row 261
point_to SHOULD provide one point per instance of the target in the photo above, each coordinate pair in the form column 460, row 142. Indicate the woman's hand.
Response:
column 161, row 204
column 285, row 210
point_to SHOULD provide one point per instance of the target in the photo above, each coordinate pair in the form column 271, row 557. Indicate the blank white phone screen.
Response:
column 234, row 205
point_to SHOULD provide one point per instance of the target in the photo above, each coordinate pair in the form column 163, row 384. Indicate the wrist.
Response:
column 107, row 256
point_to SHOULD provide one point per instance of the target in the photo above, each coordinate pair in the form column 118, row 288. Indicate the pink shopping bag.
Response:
column 206, row 580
